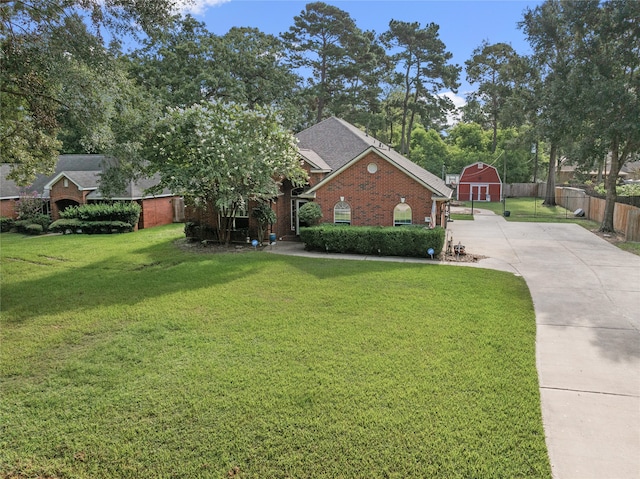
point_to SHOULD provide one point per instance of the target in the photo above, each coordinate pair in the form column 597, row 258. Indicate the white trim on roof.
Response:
column 318, row 165
column 436, row 194
column 64, row 174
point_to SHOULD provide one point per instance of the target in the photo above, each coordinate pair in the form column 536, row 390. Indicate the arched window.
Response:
column 342, row 213
column 402, row 214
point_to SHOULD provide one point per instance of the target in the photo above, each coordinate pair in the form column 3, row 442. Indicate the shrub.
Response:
column 195, row 231
column 378, row 240
column 310, row 213
column 120, row 211
column 29, row 206
column 23, row 226
column 75, row 225
column 33, row 229
column 42, row 220
column 65, row 225
column 265, row 216
column 6, row 224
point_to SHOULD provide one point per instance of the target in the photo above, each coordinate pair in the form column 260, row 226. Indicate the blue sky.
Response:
column 464, row 24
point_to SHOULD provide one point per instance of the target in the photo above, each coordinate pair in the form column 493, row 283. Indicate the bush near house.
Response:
column 374, row 240
column 6, row 224
column 31, row 217
column 74, row 225
column 98, row 218
column 33, row 225
column 124, row 212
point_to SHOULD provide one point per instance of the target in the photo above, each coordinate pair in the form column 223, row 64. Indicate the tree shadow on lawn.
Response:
column 116, row 281
column 165, row 270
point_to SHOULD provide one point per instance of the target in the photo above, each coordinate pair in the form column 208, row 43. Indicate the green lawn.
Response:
column 528, row 209
column 125, row 357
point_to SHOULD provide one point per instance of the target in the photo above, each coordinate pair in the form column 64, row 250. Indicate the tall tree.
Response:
column 365, row 68
column 606, row 79
column 222, row 156
column 178, row 64
column 590, row 82
column 49, row 59
column 550, row 38
column 319, row 40
column 493, row 67
column 424, row 73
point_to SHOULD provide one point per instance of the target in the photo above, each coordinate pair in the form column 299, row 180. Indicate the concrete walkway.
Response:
column 586, row 295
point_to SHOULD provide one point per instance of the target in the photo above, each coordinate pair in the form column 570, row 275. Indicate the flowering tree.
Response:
column 221, row 156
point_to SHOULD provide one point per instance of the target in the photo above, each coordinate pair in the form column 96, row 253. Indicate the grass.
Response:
column 461, row 216
column 124, row 357
column 529, row 209
column 630, row 246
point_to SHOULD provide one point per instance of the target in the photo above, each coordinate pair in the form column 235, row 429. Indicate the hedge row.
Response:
column 74, row 225
column 120, row 211
column 6, row 224
column 376, row 240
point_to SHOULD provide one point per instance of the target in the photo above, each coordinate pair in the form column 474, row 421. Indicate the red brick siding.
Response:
column 8, row 208
column 373, row 196
column 156, row 212
column 61, row 192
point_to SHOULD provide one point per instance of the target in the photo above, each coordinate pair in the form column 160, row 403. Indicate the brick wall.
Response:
column 61, row 192
column 373, row 196
column 156, row 212
column 8, row 208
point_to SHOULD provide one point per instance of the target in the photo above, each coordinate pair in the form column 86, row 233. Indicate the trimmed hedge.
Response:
column 6, row 224
column 374, row 240
column 74, row 225
column 120, row 211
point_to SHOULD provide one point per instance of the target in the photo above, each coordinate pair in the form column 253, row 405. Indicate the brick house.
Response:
column 356, row 180
column 480, row 182
column 76, row 181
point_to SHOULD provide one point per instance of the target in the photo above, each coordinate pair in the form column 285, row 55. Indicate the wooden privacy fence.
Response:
column 626, row 218
column 518, row 190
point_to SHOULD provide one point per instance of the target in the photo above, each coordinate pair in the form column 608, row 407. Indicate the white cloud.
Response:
column 458, row 101
column 197, row 7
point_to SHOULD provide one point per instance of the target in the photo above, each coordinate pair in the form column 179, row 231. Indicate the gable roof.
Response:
column 84, row 171
column 340, row 144
column 471, row 175
column 84, row 180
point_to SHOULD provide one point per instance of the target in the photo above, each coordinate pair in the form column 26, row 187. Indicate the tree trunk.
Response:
column 611, row 183
column 405, row 108
column 550, row 197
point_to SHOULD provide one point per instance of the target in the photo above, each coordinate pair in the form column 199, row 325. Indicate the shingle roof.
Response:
column 338, row 142
column 314, row 159
column 83, row 170
column 8, row 188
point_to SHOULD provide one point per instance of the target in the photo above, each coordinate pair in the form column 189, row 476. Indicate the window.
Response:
column 402, row 214
column 342, row 213
column 372, row 168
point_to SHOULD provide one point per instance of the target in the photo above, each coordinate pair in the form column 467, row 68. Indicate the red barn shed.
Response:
column 480, row 182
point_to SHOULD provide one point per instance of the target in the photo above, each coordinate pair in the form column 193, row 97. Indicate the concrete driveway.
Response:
column 586, row 294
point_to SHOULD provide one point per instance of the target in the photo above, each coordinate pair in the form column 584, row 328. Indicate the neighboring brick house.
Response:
column 76, row 181
column 480, row 182
column 356, row 180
